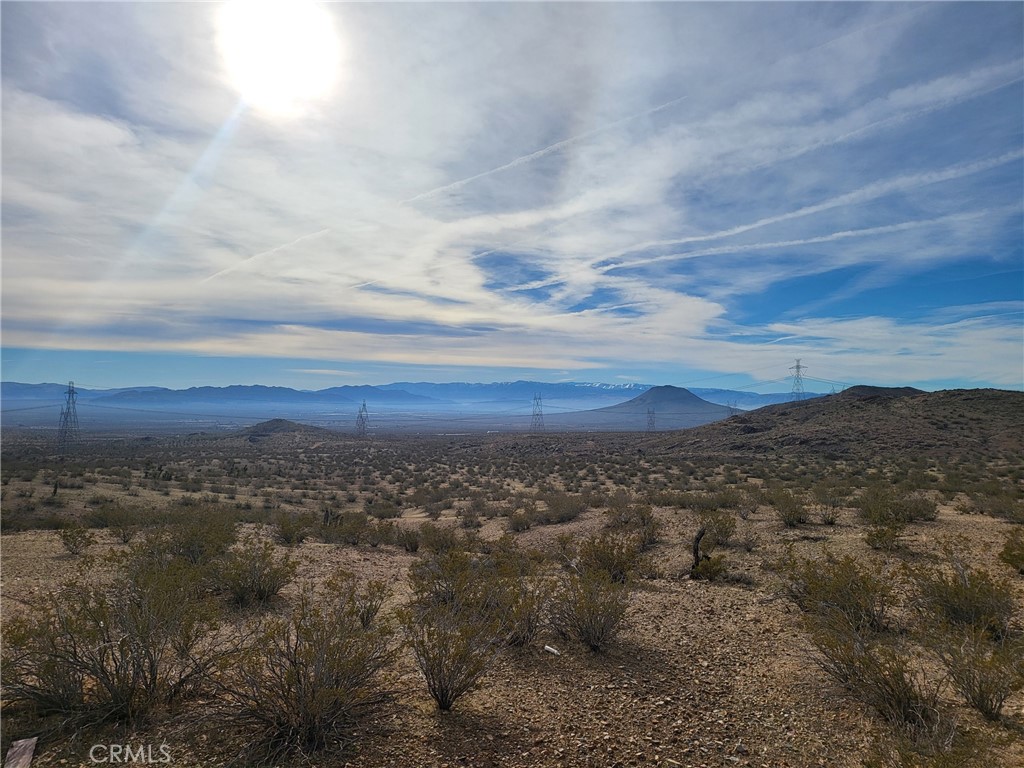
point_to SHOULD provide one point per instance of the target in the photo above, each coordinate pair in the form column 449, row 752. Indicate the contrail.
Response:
column 237, row 265
column 868, row 192
column 545, row 151
column 829, row 238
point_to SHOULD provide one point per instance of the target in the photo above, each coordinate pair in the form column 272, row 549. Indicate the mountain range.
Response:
column 493, row 395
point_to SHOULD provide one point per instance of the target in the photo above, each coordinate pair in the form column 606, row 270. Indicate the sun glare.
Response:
column 280, row 54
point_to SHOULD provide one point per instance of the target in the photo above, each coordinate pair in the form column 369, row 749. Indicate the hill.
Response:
column 869, row 421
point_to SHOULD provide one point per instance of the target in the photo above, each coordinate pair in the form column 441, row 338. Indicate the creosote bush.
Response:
column 958, row 594
column 115, row 653
column 293, row 529
column 615, row 556
column 838, row 584
column 589, row 607
column 75, row 538
column 251, row 573
column 299, row 682
column 984, row 672
column 880, row 675
column 791, row 510
column 719, row 526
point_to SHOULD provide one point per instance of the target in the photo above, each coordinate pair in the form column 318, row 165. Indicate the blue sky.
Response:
column 665, row 193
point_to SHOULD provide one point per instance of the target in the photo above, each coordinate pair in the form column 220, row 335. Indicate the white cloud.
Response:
column 596, row 146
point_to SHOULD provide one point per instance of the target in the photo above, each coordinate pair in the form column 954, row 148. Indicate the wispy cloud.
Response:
column 717, row 188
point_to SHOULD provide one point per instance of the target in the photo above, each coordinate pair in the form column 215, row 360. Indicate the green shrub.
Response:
column 839, row 584
column 719, row 527
column 613, row 555
column 408, row 538
column 437, row 538
column 589, row 607
column 251, row 574
column 200, row 538
column 519, row 521
column 76, row 538
column 452, row 649
column 350, row 528
column 293, row 529
column 119, row 653
column 881, row 504
column 383, row 509
column 885, row 536
column 710, row 568
column 300, row 682
column 880, row 676
column 791, row 510
column 960, row 595
column 561, row 508
column 983, row 672
column 1012, row 552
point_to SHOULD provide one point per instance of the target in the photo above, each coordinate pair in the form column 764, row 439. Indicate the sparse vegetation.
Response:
column 536, row 550
column 297, row 683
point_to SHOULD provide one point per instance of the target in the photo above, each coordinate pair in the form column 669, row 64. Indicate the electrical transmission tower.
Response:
column 650, row 419
column 798, row 380
column 537, row 422
column 67, row 434
column 362, row 421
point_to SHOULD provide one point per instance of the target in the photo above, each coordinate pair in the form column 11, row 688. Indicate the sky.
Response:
column 667, row 193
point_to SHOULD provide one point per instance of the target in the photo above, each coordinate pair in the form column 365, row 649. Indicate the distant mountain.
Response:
column 747, row 400
column 518, row 391
column 670, row 407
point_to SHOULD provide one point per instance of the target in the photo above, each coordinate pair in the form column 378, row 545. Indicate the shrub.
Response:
column 519, row 521
column 615, row 556
column 1013, row 550
column 119, row 653
column 451, row 649
column 719, row 527
column 436, row 538
column 293, row 529
column 880, row 504
column 965, row 596
column 839, row 585
column 710, row 568
column 561, row 508
column 880, row 676
column 251, row 574
column 350, row 528
column 383, row 509
column 201, row 539
column 298, row 682
column 589, row 607
column 885, row 536
column 76, row 538
column 408, row 539
column 984, row 673
column 791, row 510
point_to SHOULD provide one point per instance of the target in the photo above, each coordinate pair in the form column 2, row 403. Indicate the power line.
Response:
column 798, row 380
column 362, row 420
column 68, row 434
column 537, row 422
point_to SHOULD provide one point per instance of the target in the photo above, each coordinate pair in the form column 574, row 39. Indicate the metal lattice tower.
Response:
column 798, row 380
column 67, row 433
column 650, row 419
column 537, row 422
column 362, row 421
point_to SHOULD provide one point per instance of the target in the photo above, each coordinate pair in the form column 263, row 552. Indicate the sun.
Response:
column 280, row 55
